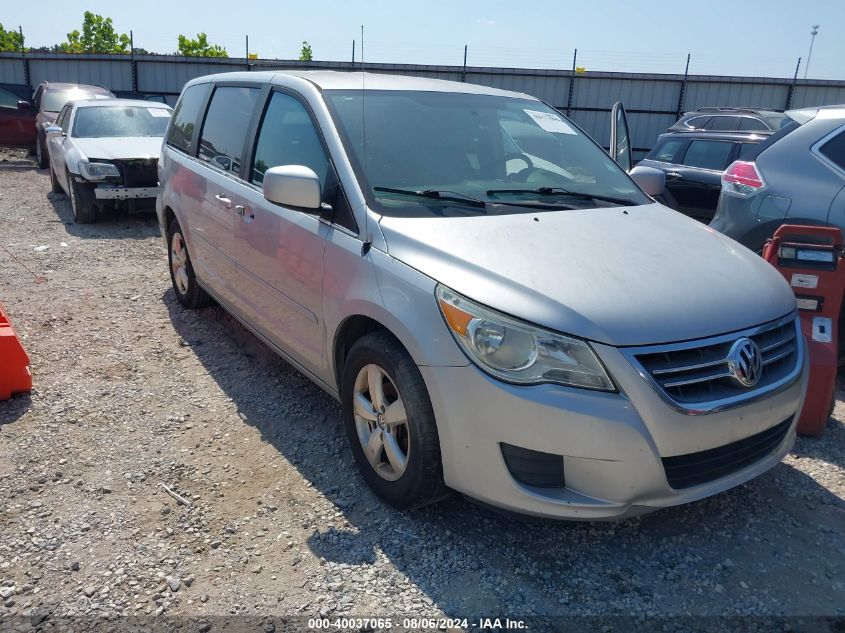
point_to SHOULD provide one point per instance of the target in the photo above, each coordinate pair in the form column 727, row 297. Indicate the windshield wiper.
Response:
column 436, row 194
column 560, row 191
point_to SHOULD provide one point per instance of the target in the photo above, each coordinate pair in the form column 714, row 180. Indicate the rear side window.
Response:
column 749, row 124
column 723, row 123
column 834, row 150
column 666, row 150
column 288, row 137
column 181, row 130
column 225, row 127
column 708, row 154
column 747, row 151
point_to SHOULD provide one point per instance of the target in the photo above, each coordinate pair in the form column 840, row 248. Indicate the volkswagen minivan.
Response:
column 498, row 305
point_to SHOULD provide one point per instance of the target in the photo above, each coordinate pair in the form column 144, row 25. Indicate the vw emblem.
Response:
column 745, row 362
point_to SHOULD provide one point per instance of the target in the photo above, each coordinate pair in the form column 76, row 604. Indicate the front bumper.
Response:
column 117, row 192
column 612, row 444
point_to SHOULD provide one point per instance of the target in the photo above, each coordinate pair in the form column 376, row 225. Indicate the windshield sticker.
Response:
column 550, row 122
column 160, row 113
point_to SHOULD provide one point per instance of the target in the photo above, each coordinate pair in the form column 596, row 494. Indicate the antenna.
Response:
column 365, row 248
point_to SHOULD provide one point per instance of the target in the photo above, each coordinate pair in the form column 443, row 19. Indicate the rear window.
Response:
column 708, row 154
column 834, row 150
column 225, row 128
column 181, row 130
column 697, row 122
column 54, row 100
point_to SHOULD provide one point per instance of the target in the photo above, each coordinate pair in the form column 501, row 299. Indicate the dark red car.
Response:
column 17, row 120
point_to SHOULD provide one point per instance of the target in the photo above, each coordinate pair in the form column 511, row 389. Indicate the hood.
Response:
column 616, row 275
column 122, row 148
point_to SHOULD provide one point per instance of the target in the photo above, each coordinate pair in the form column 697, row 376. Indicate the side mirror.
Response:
column 293, row 186
column 54, row 129
column 25, row 106
column 651, row 180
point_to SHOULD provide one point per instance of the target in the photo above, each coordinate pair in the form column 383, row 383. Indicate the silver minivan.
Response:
column 499, row 307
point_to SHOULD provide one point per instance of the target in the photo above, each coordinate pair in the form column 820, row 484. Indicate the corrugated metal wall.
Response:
column 652, row 100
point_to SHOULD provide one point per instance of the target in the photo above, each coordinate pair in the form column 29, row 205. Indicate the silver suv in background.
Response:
column 497, row 305
column 796, row 176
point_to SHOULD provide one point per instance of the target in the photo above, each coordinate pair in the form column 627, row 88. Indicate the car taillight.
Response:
column 742, row 178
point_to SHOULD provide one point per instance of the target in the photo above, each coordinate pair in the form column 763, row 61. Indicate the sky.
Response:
column 738, row 37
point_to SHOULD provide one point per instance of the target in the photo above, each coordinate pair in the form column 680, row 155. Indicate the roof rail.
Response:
column 743, row 109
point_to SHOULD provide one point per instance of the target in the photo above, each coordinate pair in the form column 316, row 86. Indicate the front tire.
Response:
column 55, row 185
column 41, row 154
column 188, row 291
column 81, row 201
column 390, row 423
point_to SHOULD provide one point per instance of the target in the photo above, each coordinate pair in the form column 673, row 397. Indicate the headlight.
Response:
column 518, row 352
column 98, row 171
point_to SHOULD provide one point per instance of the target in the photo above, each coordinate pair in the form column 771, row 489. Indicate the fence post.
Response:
column 246, row 43
column 26, row 77
column 683, row 93
column 464, row 71
column 571, row 84
column 353, row 54
column 791, row 91
column 133, row 63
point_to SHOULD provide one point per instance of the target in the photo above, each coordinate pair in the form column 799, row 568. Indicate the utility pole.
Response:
column 26, row 76
column 134, row 64
column 791, row 93
column 813, row 34
column 682, row 94
column 353, row 54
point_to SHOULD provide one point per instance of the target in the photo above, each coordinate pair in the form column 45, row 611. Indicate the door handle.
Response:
column 673, row 175
column 224, row 201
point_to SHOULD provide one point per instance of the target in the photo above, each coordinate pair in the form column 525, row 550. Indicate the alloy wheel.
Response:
column 381, row 422
column 179, row 262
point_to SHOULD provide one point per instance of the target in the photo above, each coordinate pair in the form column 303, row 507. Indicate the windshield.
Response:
column 55, row 100
column 441, row 153
column 111, row 121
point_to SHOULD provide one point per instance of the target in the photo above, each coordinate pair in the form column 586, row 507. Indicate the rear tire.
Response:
column 81, row 201
column 185, row 285
column 380, row 440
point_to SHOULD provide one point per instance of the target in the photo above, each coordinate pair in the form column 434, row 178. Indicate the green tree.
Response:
column 199, row 47
column 98, row 36
column 306, row 54
column 10, row 41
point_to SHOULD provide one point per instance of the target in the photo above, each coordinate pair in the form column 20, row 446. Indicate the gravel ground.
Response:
column 132, row 392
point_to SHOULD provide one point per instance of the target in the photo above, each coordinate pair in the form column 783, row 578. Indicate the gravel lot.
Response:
column 132, row 392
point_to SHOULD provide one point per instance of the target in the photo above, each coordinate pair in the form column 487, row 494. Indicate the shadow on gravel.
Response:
column 111, row 224
column 13, row 409
column 775, row 535
column 822, row 447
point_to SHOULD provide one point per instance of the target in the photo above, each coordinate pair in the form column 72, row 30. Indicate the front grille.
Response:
column 533, row 468
column 694, row 469
column 139, row 173
column 696, row 375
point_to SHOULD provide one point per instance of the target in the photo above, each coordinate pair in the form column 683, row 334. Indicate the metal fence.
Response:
column 653, row 101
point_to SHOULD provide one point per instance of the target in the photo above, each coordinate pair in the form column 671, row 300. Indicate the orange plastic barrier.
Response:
column 15, row 376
